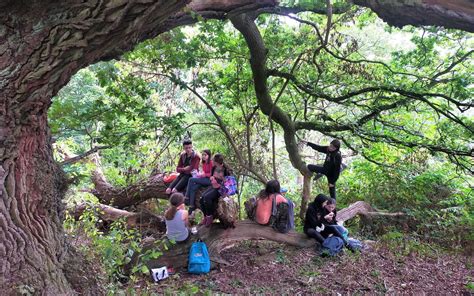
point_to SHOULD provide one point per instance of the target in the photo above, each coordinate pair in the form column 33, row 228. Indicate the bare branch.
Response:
column 82, row 156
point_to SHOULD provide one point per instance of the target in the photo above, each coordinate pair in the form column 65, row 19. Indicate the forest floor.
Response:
column 262, row 267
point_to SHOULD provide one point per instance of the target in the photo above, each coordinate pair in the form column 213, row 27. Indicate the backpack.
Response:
column 332, row 246
column 280, row 219
column 230, row 186
column 170, row 178
column 198, row 261
column 251, row 207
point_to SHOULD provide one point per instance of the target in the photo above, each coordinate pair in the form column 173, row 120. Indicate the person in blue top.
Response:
column 332, row 164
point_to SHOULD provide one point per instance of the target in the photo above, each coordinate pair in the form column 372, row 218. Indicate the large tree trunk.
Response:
column 123, row 197
column 306, row 195
column 134, row 194
column 43, row 43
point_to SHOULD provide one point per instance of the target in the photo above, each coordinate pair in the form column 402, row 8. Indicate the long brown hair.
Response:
column 272, row 187
column 176, row 199
column 208, row 152
column 219, row 158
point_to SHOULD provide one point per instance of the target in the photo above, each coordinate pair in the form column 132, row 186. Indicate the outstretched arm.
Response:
column 322, row 149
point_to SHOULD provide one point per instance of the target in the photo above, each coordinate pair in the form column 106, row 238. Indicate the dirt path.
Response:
column 270, row 268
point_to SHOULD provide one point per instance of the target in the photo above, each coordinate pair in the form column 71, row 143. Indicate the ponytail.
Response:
column 176, row 200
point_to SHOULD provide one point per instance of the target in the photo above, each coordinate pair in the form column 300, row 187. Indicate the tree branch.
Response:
column 84, row 155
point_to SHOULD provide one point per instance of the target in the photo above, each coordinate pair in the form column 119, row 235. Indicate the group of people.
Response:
column 196, row 172
column 320, row 221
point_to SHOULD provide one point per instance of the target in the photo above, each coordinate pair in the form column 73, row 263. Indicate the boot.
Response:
column 349, row 247
column 209, row 220
column 203, row 221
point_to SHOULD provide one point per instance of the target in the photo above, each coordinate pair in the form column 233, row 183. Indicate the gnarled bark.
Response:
column 134, row 194
column 42, row 43
column 456, row 14
column 123, row 197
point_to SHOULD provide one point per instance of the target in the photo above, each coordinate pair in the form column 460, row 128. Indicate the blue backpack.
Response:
column 198, row 261
column 332, row 246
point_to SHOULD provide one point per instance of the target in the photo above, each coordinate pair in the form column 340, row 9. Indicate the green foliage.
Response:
column 437, row 200
column 193, row 81
column 403, row 245
column 470, row 287
column 114, row 248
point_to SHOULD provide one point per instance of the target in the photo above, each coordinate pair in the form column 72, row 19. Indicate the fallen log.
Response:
column 143, row 219
column 218, row 238
column 132, row 195
column 361, row 208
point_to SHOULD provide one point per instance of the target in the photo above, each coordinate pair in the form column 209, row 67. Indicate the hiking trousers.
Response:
column 180, row 182
column 320, row 170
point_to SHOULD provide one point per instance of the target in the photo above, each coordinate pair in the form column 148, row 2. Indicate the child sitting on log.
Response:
column 176, row 219
column 263, row 209
column 202, row 179
column 210, row 197
column 320, row 221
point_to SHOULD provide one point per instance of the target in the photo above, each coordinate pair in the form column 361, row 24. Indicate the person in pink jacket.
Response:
column 188, row 161
column 202, row 179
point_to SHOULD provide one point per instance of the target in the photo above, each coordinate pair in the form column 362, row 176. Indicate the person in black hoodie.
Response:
column 320, row 219
column 332, row 164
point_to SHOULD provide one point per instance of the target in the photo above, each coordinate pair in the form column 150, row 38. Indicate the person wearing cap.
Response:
column 332, row 164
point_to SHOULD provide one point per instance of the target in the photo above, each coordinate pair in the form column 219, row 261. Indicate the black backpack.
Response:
column 280, row 216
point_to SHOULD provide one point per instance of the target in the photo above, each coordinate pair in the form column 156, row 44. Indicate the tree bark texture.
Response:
column 42, row 44
column 123, row 197
column 456, row 14
column 134, row 194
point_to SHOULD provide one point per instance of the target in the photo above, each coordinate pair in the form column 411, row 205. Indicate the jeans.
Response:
column 193, row 185
column 209, row 201
column 320, row 236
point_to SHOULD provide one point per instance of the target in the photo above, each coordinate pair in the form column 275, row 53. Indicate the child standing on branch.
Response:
column 332, row 164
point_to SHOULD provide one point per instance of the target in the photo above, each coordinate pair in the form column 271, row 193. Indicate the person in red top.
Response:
column 201, row 180
column 188, row 161
column 265, row 199
column 210, row 197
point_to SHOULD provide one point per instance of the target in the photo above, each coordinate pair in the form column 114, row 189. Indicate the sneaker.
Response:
column 317, row 177
column 350, row 248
